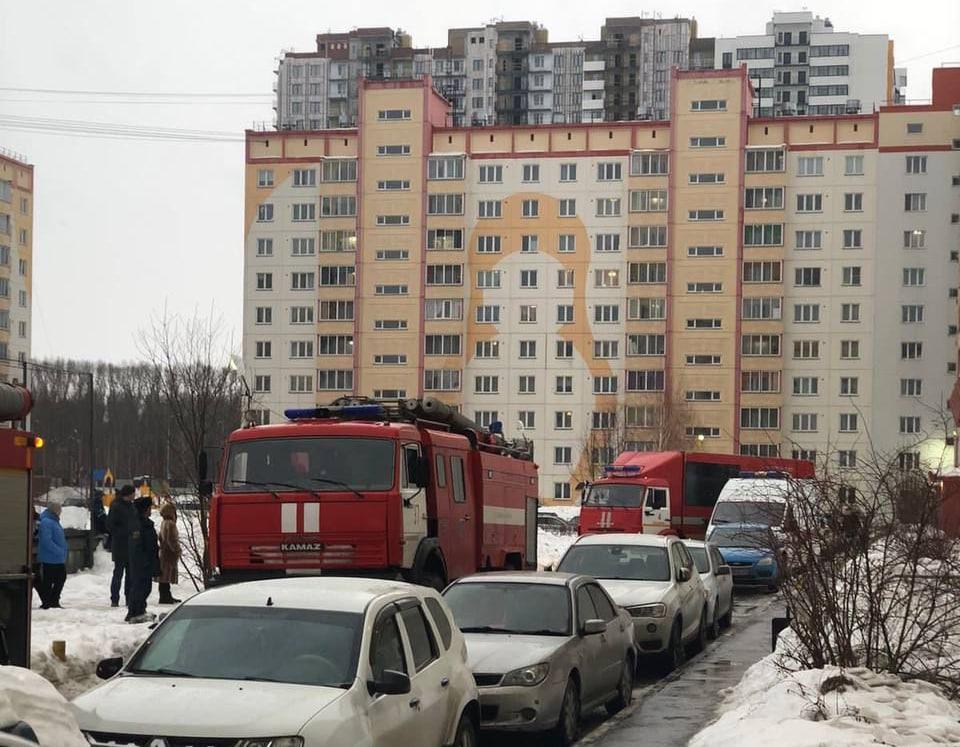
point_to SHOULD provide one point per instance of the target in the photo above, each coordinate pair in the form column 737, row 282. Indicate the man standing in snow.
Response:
column 52, row 556
column 144, row 563
column 121, row 521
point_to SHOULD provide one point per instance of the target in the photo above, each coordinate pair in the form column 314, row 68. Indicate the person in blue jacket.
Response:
column 52, row 557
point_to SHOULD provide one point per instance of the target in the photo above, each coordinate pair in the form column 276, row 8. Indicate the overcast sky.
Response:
column 123, row 227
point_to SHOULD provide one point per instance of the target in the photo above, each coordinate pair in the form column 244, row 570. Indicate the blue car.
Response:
column 750, row 551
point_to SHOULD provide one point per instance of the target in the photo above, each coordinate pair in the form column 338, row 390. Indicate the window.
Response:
column 563, row 420
column 853, row 202
column 709, row 105
column 528, row 278
column 646, row 344
column 261, row 384
column 568, row 208
column 804, row 422
column 806, row 386
column 567, row 243
column 393, row 150
column 392, row 255
column 388, row 114
column 265, row 178
column 763, row 234
column 915, row 202
column 609, row 172
column 263, row 349
column 806, row 313
column 809, row 239
column 911, row 387
column 393, row 220
column 529, row 243
column 706, row 178
column 608, row 207
column 305, row 211
column 488, row 278
column 486, row 384
column 264, row 248
column 705, row 287
column 702, row 395
column 568, row 172
column 764, row 307
column 264, row 314
column 491, row 174
column 647, row 272
column 605, row 385
column 304, row 177
column 336, row 311
column 565, row 278
column 606, row 349
column 849, row 349
column 851, row 276
column 850, row 312
column 338, row 241
column 530, row 208
column 759, row 381
column 338, row 206
column 335, row 345
column 810, row 203
column 528, row 348
column 914, row 128
column 764, row 160
column 564, row 349
column 443, row 308
column 300, row 383
column 848, row 422
column 528, row 419
column 646, row 309
column 528, row 314
column 705, row 323
column 762, row 272
column 916, row 164
column 852, row 238
column 609, row 278
column 807, row 277
column 445, row 204
column 644, row 236
column 488, row 314
column 649, row 164
column 444, row 167
column 341, row 170
column 488, row 244
column 648, row 201
column 847, row 458
column 704, row 251
column 441, row 345
column 489, row 209
column 264, row 213
column 849, row 386
column 444, row 275
column 705, row 215
column 531, row 172
column 565, row 313
column 911, row 313
column 301, row 348
column 909, row 460
column 915, row 239
column 337, row 275
column 763, row 198
column 810, row 166
column 645, row 381
column 913, row 276
column 713, row 141
column 441, row 380
column 562, row 455
column 760, row 345
column 390, row 290
column 302, row 280
column 561, row 491
column 303, row 247
column 393, row 185
column 759, row 417
column 564, row 385
column 911, row 350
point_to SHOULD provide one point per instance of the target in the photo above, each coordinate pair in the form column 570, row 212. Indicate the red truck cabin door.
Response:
column 457, row 512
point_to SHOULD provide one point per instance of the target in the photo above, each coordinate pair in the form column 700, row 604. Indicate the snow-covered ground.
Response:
column 25, row 696
column 564, row 512
column 813, row 708
column 551, row 547
column 74, row 517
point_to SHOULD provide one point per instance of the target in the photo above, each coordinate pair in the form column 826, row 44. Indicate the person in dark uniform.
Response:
column 121, row 521
column 144, row 563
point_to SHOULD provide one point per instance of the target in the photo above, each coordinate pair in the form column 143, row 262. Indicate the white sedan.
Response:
column 718, row 581
column 295, row 662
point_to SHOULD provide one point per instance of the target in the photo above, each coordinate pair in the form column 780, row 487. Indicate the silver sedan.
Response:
column 544, row 648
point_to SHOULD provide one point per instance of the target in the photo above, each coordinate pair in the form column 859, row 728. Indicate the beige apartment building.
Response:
column 16, row 260
column 716, row 281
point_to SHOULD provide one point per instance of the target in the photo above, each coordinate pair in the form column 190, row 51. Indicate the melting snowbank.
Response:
column 26, row 696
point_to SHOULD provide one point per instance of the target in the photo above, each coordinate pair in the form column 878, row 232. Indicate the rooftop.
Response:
column 305, row 592
column 640, row 540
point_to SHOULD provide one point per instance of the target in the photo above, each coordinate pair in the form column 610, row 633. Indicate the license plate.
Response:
column 741, row 571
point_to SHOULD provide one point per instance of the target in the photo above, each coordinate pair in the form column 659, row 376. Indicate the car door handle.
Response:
column 445, row 682
column 415, row 703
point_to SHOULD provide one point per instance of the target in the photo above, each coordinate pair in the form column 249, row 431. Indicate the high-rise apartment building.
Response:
column 801, row 66
column 16, row 256
column 501, row 73
column 766, row 285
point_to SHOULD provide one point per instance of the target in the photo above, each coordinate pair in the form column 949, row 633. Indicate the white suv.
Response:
column 295, row 662
column 655, row 579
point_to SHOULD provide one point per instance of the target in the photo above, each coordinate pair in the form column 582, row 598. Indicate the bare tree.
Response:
column 202, row 397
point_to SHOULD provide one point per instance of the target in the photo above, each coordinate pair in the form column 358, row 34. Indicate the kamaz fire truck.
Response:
column 668, row 492
column 409, row 489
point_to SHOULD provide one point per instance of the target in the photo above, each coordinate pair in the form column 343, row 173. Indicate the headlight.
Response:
column 648, row 610
column 526, row 677
column 765, row 561
column 271, row 742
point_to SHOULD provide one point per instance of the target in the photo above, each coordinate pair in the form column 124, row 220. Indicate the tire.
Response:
column 466, row 733
column 727, row 620
column 624, row 694
column 674, row 656
column 700, row 642
column 713, row 631
column 568, row 725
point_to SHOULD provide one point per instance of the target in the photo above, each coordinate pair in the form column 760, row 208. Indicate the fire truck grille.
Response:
column 311, row 554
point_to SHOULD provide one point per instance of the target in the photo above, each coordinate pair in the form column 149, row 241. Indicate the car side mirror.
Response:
column 421, row 473
column 684, row 575
column 593, row 627
column 106, row 668
column 723, row 570
column 390, row 682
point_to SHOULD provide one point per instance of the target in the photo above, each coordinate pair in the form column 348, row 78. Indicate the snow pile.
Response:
column 64, row 495
column 830, row 706
column 74, row 517
column 551, row 547
column 25, row 696
column 564, row 512
column 91, row 629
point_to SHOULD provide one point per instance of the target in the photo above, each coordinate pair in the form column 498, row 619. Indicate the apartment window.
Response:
column 767, row 159
column 335, row 345
column 850, row 312
column 806, row 386
column 914, row 128
column 337, row 275
column 759, row 381
column 529, row 243
column 647, row 309
column 302, row 247
column 565, row 278
column 445, row 204
column 702, row 395
column 609, row 172
column 488, row 244
column 705, row 287
column 704, row 251
column 704, row 323
column 712, row 141
column 389, row 324
column 301, row 383
column 301, row 348
column 646, row 344
column 647, row 236
column 393, row 220
column 488, row 314
column 338, row 241
column 911, row 351
column 914, row 276
column 264, row 314
column 645, row 381
column 648, row 201
column 301, row 315
column 528, row 421
column 392, row 255
column 607, row 242
column 567, row 243
column 334, row 380
column 915, row 202
column 763, row 198
column 444, row 275
column 491, row 174
column 444, row 167
column 853, row 202
column 763, row 234
column 810, row 166
column 707, row 431
column 263, row 349
column 393, row 150
column 762, row 272
column 712, row 214
column 564, row 349
column 564, row 385
column 916, row 164
column 336, row 206
column 851, row 276
column 565, row 313
column 849, row 350
column 528, row 349
column 261, row 383
column 306, row 211
column 341, row 170
column 849, row 386
column 488, row 349
column 911, row 313
column 760, row 345
column 528, row 314
column 605, row 385
column 847, row 458
column 911, row 387
column 265, row 178
column 264, row 248
column 609, row 278
column 608, row 207
column 647, row 272
column 768, row 307
column 563, row 420
column 808, row 277
column 810, row 203
column 264, row 212
column 804, row 422
column 531, row 172
column 562, row 455
column 441, row 380
column 302, row 280
column 908, row 460
column 759, row 417
column 809, row 239
column 711, row 177
column 488, row 278
column 530, row 208
column 304, row 177
column 5, row 254
column 336, row 311
column 390, row 114
column 852, row 238
column 848, row 422
column 709, row 105
column 853, row 166
column 22, row 299
column 649, row 164
column 568, row 208
column 606, row 349
column 568, row 172
column 393, row 185
column 486, row 384
column 528, row 278
column 806, row 313
column 489, row 209
column 915, row 239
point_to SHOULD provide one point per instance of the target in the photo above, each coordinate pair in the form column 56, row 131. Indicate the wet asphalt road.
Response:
column 668, row 711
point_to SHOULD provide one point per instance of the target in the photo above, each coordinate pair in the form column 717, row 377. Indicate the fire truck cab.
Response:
column 414, row 491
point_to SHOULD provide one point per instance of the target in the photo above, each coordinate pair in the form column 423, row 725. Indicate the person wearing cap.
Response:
column 52, row 556
column 121, row 522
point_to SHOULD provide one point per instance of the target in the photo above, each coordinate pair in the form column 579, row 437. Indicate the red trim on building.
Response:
column 913, row 148
column 581, row 127
column 832, row 146
column 552, row 154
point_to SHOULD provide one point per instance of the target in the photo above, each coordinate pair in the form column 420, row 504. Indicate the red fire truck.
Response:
column 409, row 489
column 668, row 492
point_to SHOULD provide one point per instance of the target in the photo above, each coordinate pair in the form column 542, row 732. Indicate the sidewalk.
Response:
column 672, row 711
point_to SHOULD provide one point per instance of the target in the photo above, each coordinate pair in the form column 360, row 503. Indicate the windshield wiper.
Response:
column 339, row 483
column 484, row 629
column 272, row 484
column 721, row 521
column 166, row 671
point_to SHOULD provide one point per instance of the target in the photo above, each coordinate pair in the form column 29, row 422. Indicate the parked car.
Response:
column 751, row 552
column 553, row 523
column 718, row 582
column 298, row 662
column 544, row 648
column 654, row 578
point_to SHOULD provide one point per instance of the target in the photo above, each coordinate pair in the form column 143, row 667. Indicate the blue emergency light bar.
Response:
column 354, row 412
column 630, row 468
column 772, row 474
column 496, row 427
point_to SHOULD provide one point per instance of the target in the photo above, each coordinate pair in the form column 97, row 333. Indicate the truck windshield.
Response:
column 765, row 513
column 617, row 496
column 504, row 607
column 271, row 644
column 633, row 562
column 316, row 464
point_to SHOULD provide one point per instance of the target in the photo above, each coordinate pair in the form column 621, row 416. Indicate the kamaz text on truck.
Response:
column 668, row 492
column 409, row 489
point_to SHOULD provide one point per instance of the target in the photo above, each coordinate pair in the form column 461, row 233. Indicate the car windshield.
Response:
column 617, row 496
column 733, row 536
column 315, row 464
column 700, row 558
column 766, row 513
column 273, row 644
column 501, row 607
column 633, row 562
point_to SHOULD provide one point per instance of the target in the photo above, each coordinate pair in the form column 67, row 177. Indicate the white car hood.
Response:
column 175, row 706
column 628, row 593
column 499, row 653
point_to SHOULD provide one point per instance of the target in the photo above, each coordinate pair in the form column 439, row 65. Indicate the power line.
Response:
column 111, row 130
column 927, row 54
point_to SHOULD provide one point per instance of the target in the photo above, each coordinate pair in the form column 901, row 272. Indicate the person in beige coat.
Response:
column 169, row 541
